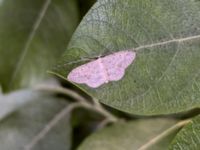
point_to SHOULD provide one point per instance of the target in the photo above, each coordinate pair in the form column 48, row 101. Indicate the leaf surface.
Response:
column 165, row 35
column 188, row 137
column 33, row 34
column 19, row 128
column 132, row 135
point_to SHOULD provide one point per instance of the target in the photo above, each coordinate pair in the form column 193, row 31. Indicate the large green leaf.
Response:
column 33, row 34
column 141, row 134
column 189, row 137
column 164, row 78
column 19, row 128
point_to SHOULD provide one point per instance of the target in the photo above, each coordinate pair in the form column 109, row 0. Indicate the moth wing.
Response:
column 115, row 64
column 89, row 73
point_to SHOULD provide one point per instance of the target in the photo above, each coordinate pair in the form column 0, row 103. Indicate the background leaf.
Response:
column 17, row 130
column 164, row 78
column 33, row 34
column 188, row 137
column 132, row 135
column 13, row 101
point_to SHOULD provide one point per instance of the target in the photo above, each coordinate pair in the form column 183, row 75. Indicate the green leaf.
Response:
column 33, row 34
column 189, row 137
column 164, row 77
column 18, row 130
column 152, row 134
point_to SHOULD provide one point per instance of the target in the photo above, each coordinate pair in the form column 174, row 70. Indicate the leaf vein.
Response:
column 30, row 38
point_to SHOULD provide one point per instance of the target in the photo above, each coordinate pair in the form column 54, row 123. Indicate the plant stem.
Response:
column 81, row 102
column 99, row 109
column 103, row 124
column 96, row 106
column 61, row 90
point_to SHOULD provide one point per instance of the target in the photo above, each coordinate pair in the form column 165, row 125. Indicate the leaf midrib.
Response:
column 163, row 134
column 179, row 40
column 35, row 27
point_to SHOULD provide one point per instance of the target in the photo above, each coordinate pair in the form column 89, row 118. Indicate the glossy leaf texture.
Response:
column 188, row 137
column 140, row 135
column 22, row 125
column 33, row 34
column 165, row 35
